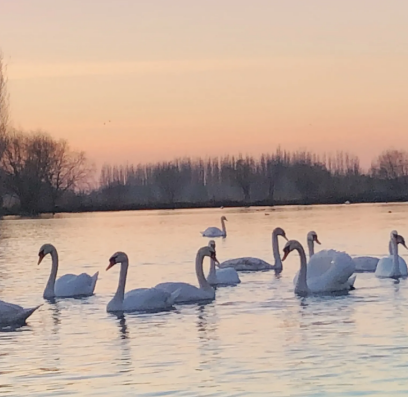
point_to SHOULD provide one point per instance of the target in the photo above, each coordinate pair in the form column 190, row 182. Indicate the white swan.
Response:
column 214, row 231
column 255, row 264
column 369, row 263
column 226, row 276
column 326, row 255
column 139, row 299
column 69, row 285
column 14, row 315
column 392, row 266
column 327, row 271
column 189, row 293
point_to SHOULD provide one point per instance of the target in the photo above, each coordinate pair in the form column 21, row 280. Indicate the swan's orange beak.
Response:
column 111, row 263
column 285, row 254
column 40, row 257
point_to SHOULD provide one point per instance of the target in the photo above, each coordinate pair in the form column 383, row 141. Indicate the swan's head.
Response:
column 278, row 231
column 312, row 236
column 45, row 250
column 210, row 251
column 211, row 244
column 289, row 247
column 223, row 218
column 117, row 257
column 401, row 240
column 394, row 235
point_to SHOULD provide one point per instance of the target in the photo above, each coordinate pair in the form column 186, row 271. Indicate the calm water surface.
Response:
column 255, row 339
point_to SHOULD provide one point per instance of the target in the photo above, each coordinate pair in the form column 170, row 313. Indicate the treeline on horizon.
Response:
column 41, row 174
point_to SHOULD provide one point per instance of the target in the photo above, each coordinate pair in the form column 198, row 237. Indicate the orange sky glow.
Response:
column 201, row 78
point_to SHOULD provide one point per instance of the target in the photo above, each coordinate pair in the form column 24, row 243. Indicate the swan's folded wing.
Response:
column 74, row 285
column 336, row 262
column 212, row 232
column 365, row 263
column 145, row 299
column 341, row 269
column 246, row 264
column 11, row 314
column 9, row 310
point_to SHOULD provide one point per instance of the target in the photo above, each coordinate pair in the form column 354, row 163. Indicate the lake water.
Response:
column 255, row 339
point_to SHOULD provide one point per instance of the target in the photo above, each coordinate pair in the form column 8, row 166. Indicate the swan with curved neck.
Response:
column 301, row 286
column 326, row 271
column 393, row 266
column 250, row 264
column 221, row 277
column 140, row 299
column 215, row 231
column 368, row 264
column 190, row 293
column 69, row 285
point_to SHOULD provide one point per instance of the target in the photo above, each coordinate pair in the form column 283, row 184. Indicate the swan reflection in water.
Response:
column 208, row 346
column 123, row 362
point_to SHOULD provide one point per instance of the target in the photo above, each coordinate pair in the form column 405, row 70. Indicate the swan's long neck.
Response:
column 390, row 249
column 224, row 230
column 202, row 281
column 310, row 246
column 275, row 250
column 395, row 268
column 212, row 273
column 301, row 284
column 120, row 292
column 49, row 291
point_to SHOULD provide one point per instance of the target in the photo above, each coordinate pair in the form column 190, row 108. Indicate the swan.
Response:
column 189, row 293
column 255, row 264
column 11, row 314
column 392, row 266
column 311, row 239
column 226, row 276
column 214, row 231
column 139, row 299
column 369, row 263
column 327, row 271
column 69, row 285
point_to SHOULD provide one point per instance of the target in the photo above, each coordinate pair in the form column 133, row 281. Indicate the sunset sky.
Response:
column 209, row 77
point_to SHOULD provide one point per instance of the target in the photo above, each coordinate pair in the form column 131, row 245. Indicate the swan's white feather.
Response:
column 246, row 264
column 386, row 264
column 329, row 271
column 11, row 314
column 188, row 293
column 227, row 276
column 213, row 232
column 365, row 264
column 71, row 285
column 146, row 299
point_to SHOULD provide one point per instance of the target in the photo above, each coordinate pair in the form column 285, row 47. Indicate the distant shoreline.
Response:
column 203, row 205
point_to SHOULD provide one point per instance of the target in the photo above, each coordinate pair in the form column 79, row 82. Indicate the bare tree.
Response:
column 39, row 169
column 65, row 170
column 167, row 177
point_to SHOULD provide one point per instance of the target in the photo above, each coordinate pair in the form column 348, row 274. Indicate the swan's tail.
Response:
column 94, row 280
column 25, row 314
column 173, row 296
column 351, row 281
